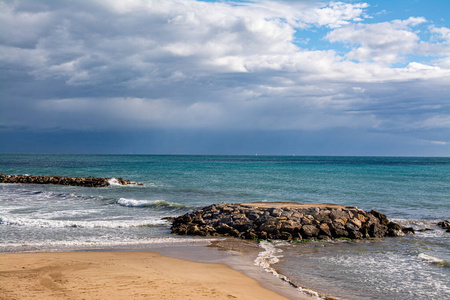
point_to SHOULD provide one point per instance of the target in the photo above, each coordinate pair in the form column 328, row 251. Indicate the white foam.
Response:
column 419, row 225
column 268, row 257
column 433, row 260
column 102, row 242
column 147, row 203
column 416, row 223
column 113, row 181
column 272, row 255
column 67, row 213
column 47, row 223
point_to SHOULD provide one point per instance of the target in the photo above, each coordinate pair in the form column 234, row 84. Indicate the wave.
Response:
column 272, row 255
column 30, row 193
column 113, row 181
column 45, row 245
column 148, row 203
column 417, row 223
column 46, row 223
column 433, row 260
column 428, row 228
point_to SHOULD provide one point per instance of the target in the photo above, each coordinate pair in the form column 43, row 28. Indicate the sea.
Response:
column 413, row 191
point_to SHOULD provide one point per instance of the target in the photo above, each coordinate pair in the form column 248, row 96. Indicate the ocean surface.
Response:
column 412, row 191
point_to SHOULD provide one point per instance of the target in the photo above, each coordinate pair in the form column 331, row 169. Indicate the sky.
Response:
column 225, row 77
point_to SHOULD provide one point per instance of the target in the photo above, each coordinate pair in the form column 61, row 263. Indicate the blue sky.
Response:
column 225, row 77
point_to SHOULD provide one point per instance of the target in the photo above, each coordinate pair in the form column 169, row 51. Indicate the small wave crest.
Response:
column 272, row 255
column 417, row 223
column 113, row 181
column 428, row 228
column 433, row 260
column 148, row 203
column 47, row 223
column 101, row 242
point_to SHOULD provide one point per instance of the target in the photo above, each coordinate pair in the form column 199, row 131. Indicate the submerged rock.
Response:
column 287, row 221
column 65, row 180
column 445, row 225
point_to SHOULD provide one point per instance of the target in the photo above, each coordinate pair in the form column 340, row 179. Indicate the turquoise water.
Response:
column 413, row 191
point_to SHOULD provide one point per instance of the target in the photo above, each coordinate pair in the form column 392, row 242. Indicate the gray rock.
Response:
column 250, row 223
column 338, row 230
column 378, row 230
column 382, row 218
column 275, row 212
column 338, row 214
column 309, row 231
column 291, row 226
column 444, row 224
column 325, row 229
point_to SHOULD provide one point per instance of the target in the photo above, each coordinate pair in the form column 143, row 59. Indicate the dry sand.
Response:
column 121, row 275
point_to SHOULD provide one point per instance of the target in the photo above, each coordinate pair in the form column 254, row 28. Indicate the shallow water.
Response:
column 412, row 191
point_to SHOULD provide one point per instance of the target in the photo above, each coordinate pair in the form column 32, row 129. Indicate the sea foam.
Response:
column 46, row 223
column 433, row 260
column 113, row 181
column 44, row 245
column 272, row 255
column 148, row 203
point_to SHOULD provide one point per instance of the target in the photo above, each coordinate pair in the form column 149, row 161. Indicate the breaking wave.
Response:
column 45, row 223
column 113, row 181
column 272, row 255
column 102, row 242
column 148, row 203
column 433, row 260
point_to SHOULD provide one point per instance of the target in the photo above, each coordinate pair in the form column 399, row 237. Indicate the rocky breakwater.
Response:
column 287, row 221
column 65, row 180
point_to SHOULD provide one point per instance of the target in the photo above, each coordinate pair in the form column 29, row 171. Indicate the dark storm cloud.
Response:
column 141, row 65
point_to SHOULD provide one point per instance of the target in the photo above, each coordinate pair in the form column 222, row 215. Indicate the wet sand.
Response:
column 121, row 275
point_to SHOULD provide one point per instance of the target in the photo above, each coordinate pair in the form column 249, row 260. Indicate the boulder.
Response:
column 249, row 222
column 309, row 231
column 291, row 226
column 324, row 230
column 378, row 230
column 381, row 217
column 444, row 224
column 339, row 214
column 395, row 229
column 338, row 230
column 275, row 212
column 356, row 222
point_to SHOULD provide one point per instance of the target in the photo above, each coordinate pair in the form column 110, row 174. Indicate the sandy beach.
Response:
column 121, row 275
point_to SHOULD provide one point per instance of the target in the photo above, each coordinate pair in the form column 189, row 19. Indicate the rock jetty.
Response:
column 64, row 180
column 287, row 221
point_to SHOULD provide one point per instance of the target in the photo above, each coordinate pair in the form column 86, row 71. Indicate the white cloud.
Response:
column 189, row 64
column 442, row 33
column 304, row 14
column 439, row 142
column 385, row 42
column 391, row 42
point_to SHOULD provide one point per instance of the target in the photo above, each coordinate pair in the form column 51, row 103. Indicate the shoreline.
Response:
column 133, row 275
column 220, row 268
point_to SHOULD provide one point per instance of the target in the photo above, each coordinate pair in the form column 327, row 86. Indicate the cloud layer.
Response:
column 105, row 65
